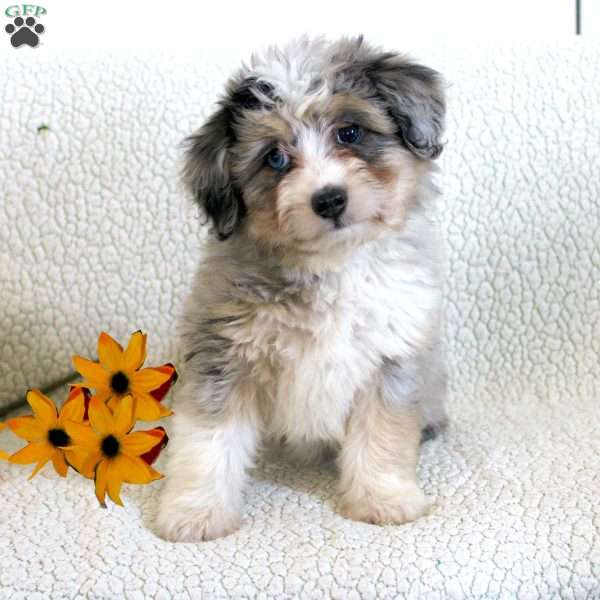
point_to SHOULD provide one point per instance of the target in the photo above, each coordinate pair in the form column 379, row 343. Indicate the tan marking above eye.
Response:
column 351, row 110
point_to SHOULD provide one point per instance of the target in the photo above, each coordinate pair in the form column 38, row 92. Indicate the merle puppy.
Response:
column 314, row 318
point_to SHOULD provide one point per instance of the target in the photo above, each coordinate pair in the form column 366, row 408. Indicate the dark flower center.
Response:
column 110, row 446
column 119, row 383
column 58, row 437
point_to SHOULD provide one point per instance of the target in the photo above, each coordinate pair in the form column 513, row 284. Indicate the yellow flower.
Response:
column 118, row 374
column 112, row 450
column 46, row 434
column 3, row 455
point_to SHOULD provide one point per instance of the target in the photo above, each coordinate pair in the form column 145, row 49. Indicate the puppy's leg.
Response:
column 433, row 395
column 378, row 459
column 207, row 467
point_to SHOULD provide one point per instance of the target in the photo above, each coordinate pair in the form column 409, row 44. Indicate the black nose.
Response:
column 329, row 202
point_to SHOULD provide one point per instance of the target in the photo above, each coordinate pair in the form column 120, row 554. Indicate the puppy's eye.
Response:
column 349, row 135
column 277, row 160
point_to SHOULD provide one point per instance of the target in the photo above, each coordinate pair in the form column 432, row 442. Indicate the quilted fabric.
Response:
column 97, row 235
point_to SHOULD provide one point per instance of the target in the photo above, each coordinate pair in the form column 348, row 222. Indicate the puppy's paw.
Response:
column 407, row 503
column 195, row 524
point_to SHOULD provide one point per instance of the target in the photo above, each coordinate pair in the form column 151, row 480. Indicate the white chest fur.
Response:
column 315, row 355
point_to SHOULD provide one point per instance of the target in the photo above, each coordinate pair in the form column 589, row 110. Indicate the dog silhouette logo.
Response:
column 24, row 29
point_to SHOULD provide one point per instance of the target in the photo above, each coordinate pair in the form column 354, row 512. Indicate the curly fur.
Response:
column 314, row 334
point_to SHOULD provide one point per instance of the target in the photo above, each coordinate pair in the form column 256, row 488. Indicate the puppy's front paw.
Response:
column 407, row 503
column 195, row 524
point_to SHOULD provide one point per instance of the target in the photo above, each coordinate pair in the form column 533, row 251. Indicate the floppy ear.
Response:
column 414, row 98
column 207, row 169
column 207, row 173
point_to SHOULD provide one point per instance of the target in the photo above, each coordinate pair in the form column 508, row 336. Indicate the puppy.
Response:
column 314, row 318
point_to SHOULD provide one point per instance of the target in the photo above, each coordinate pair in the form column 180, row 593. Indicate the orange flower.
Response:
column 112, row 450
column 150, row 457
column 118, row 374
column 46, row 434
column 3, row 455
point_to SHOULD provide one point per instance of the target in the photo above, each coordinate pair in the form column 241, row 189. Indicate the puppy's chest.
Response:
column 312, row 354
column 310, row 365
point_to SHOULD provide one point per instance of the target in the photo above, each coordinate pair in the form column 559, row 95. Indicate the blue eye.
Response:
column 277, row 160
column 349, row 135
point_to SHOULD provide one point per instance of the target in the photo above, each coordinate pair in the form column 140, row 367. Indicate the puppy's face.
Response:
column 317, row 147
column 332, row 171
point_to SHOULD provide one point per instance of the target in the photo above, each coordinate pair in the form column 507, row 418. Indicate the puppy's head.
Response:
column 317, row 146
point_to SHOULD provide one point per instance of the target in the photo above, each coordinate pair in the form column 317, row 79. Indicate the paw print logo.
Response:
column 24, row 32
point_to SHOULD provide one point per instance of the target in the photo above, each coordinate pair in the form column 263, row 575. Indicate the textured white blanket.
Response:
column 95, row 234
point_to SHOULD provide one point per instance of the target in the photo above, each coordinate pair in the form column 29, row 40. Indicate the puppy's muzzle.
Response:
column 330, row 202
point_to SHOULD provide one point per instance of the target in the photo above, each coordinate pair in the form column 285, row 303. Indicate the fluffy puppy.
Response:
column 314, row 318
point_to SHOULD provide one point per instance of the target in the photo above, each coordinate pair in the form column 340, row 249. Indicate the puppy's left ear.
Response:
column 414, row 98
column 207, row 174
column 207, row 171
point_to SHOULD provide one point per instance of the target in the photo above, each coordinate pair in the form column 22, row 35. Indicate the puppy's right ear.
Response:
column 207, row 174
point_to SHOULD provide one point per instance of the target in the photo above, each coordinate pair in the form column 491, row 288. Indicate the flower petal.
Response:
column 149, row 409
column 81, row 435
column 114, row 482
column 3, row 455
column 124, row 417
column 77, row 457
column 91, row 462
column 103, row 395
column 110, row 353
column 28, row 428
column 135, row 470
column 113, row 402
column 135, row 355
column 31, row 453
column 101, row 419
column 151, row 456
column 73, row 408
column 100, row 480
column 148, row 379
column 43, row 408
column 95, row 376
column 39, row 467
column 139, row 442
column 60, row 466
column 161, row 391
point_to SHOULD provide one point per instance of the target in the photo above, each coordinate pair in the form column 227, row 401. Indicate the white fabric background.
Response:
column 96, row 235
